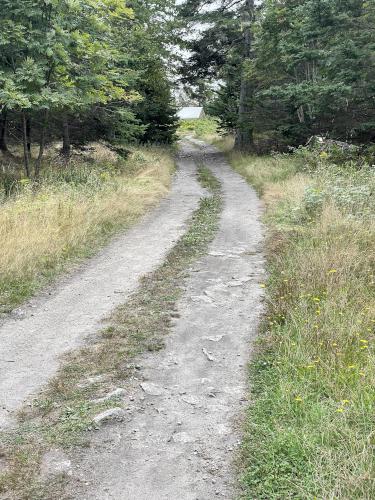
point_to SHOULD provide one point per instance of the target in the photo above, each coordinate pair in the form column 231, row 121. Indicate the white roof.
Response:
column 190, row 112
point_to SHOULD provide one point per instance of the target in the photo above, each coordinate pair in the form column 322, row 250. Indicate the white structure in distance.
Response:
column 191, row 113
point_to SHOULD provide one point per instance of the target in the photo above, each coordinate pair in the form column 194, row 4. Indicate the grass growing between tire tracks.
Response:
column 310, row 427
column 64, row 413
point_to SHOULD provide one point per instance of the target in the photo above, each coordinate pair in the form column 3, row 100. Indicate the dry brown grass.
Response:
column 40, row 230
column 291, row 190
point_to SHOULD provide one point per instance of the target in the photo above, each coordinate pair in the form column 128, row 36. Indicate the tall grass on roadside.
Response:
column 311, row 425
column 73, row 210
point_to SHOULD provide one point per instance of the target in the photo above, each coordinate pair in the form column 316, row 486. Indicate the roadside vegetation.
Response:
column 71, row 210
column 202, row 128
column 63, row 416
column 278, row 72
column 78, row 71
column 310, row 426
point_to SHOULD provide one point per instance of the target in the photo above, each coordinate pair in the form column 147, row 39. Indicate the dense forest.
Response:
column 287, row 69
column 275, row 72
column 78, row 71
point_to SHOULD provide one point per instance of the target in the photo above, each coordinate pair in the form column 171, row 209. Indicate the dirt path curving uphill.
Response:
column 181, row 434
column 31, row 345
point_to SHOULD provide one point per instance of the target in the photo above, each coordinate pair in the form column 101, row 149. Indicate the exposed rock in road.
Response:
column 152, row 389
column 109, row 415
column 208, row 355
column 116, row 394
column 55, row 463
column 182, row 437
column 217, row 338
column 190, row 400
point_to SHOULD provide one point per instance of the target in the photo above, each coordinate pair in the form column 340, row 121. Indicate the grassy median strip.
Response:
column 310, row 427
column 71, row 211
column 64, row 413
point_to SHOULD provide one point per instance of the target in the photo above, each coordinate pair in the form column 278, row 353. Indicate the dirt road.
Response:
column 180, row 436
column 32, row 342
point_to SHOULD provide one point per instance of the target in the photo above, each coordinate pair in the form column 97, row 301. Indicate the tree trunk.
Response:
column 41, row 145
column 245, row 130
column 301, row 114
column 244, row 139
column 26, row 158
column 66, row 149
column 3, row 131
column 28, row 134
